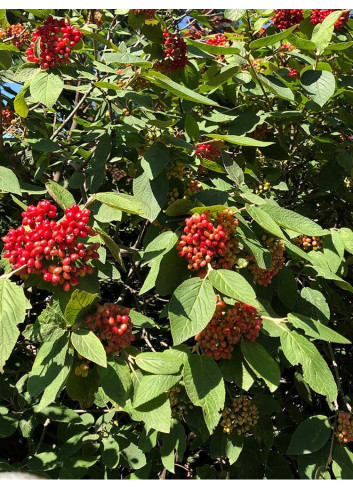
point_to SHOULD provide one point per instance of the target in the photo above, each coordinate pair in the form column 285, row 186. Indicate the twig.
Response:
column 46, row 423
column 72, row 113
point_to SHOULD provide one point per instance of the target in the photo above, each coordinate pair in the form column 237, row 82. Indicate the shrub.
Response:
column 175, row 288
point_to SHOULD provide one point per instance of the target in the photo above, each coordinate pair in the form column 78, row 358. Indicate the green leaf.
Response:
column 346, row 235
column 78, row 305
column 46, row 88
column 61, row 196
column 291, row 220
column 261, row 363
column 213, row 49
column 123, row 202
column 191, row 308
column 97, row 164
column 83, row 389
column 54, row 388
column 179, row 90
column 111, row 244
column 320, row 85
column 175, row 441
column 276, row 86
column 87, row 344
column 234, row 14
column 20, row 105
column 311, row 435
column 155, row 159
column 273, row 39
column 240, row 140
column 233, row 285
column 9, row 182
column 26, row 72
column 116, row 381
column 192, row 128
column 152, row 386
column 8, row 47
column 299, row 350
column 159, row 363
column 264, row 220
column 8, row 423
column 233, row 169
column 110, row 452
column 48, row 364
column 126, row 58
column 300, row 43
column 315, row 329
column 152, row 191
column 322, row 33
column 206, row 391
column 156, row 414
column 12, row 312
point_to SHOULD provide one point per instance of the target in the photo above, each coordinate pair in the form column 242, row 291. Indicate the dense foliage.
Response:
column 176, row 222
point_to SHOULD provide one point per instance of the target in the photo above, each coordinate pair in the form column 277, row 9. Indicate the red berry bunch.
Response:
column 193, row 188
column 318, row 15
column 16, row 34
column 293, row 72
column 264, row 276
column 57, row 38
column 219, row 40
column 7, row 118
column 207, row 242
column 344, row 427
column 308, row 243
column 285, row 18
column 242, row 416
column 226, row 328
column 195, row 32
column 43, row 246
column 113, row 326
column 208, row 151
column 149, row 13
column 174, row 53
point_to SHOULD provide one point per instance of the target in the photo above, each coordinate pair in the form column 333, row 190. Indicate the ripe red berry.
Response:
column 148, row 13
column 42, row 250
column 113, row 326
column 16, row 34
column 264, row 276
column 208, row 151
column 318, row 15
column 285, row 18
column 205, row 241
column 174, row 53
column 7, row 118
column 226, row 328
column 57, row 37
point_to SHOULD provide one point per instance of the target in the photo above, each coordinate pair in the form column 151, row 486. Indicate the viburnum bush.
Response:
column 176, row 243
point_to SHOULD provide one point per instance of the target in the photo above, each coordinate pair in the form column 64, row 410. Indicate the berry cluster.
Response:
column 193, row 188
column 286, row 47
column 195, row 32
column 179, row 402
column 257, row 64
column 226, row 328
column 82, row 370
column 286, row 18
column 219, row 40
column 242, row 416
column 7, row 118
column 265, row 186
column 318, row 15
column 344, row 427
column 293, row 72
column 174, row 53
column 176, row 170
column 207, row 242
column 208, row 151
column 56, row 39
column 113, row 326
column 172, row 196
column 116, row 172
column 16, row 34
column 264, row 276
column 309, row 243
column 43, row 246
column 148, row 13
